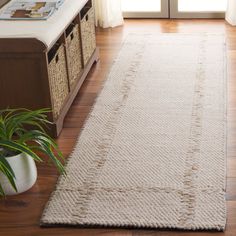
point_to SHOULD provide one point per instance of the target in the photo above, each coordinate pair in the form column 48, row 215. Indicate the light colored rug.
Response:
column 152, row 152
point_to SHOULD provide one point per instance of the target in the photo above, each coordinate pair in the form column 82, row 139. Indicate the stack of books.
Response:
column 29, row 9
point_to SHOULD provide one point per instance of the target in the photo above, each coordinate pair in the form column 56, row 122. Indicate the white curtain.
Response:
column 231, row 12
column 108, row 13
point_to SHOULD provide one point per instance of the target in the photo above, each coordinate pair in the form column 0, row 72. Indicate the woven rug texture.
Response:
column 152, row 152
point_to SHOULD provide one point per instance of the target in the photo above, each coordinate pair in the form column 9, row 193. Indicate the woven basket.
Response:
column 74, row 56
column 58, row 81
column 88, row 35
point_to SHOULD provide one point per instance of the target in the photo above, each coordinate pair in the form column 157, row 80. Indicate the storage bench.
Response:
column 44, row 63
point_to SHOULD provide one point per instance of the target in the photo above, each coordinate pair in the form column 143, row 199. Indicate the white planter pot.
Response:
column 25, row 172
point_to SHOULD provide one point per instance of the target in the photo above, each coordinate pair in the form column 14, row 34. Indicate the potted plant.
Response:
column 21, row 146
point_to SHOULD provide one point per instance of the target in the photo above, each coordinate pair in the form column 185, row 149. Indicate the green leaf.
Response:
column 35, row 135
column 22, row 117
column 1, row 191
column 6, row 169
column 19, row 147
column 5, row 164
column 45, row 148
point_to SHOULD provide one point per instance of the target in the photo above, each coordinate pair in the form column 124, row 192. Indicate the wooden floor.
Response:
column 19, row 215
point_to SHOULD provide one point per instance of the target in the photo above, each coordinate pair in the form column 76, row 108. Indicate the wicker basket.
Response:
column 74, row 57
column 88, row 35
column 58, row 81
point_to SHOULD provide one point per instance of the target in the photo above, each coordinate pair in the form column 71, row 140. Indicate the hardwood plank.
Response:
column 19, row 215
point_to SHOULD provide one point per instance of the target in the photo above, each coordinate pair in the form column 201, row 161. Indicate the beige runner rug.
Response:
column 152, row 152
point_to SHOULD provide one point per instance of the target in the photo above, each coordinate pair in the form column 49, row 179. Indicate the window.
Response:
column 174, row 8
